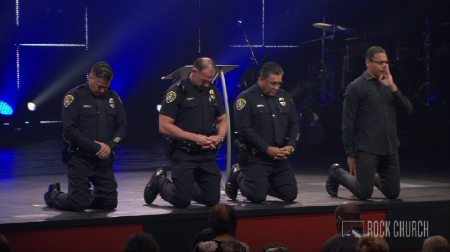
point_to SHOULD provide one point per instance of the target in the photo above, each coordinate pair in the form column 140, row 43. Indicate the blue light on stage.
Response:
column 5, row 108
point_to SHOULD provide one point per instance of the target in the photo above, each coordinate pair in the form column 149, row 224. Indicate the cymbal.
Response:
column 363, row 38
column 334, row 28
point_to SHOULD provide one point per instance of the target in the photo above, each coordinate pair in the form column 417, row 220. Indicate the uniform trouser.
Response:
column 82, row 170
column 192, row 179
column 259, row 178
column 388, row 168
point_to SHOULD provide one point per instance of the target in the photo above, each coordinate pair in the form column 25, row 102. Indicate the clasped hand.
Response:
column 279, row 153
column 104, row 152
column 208, row 143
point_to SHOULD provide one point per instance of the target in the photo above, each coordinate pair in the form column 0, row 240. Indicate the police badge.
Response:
column 212, row 95
column 171, row 96
column 111, row 103
column 240, row 104
column 68, row 100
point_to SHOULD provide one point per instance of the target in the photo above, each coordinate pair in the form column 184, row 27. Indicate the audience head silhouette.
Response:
column 141, row 242
column 276, row 247
column 436, row 244
column 223, row 220
column 347, row 215
column 371, row 243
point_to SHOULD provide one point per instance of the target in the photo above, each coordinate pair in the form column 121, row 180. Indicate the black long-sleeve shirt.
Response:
column 369, row 121
column 80, row 118
column 254, row 123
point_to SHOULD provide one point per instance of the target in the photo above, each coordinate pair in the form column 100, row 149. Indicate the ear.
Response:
column 90, row 76
column 260, row 80
column 367, row 62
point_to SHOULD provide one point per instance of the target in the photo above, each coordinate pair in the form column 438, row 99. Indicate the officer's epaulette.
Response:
column 73, row 90
column 180, row 85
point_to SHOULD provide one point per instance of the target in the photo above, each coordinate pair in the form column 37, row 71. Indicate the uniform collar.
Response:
column 188, row 85
column 90, row 92
column 256, row 88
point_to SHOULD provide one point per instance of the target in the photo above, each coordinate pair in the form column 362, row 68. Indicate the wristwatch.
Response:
column 292, row 151
column 221, row 138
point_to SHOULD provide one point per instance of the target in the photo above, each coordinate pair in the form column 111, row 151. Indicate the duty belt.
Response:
column 255, row 153
column 190, row 147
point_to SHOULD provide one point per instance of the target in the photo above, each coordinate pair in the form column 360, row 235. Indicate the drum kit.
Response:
column 329, row 93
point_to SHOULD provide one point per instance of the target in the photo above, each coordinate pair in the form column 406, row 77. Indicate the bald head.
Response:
column 205, row 64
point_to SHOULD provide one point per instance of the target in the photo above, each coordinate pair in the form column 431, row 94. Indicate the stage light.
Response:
column 158, row 107
column 31, row 106
column 5, row 108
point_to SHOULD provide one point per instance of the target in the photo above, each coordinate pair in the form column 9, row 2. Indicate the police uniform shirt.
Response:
column 80, row 118
column 254, row 119
column 194, row 110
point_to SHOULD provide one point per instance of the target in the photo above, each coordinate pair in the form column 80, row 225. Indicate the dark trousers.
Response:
column 259, row 178
column 82, row 170
column 388, row 168
column 193, row 178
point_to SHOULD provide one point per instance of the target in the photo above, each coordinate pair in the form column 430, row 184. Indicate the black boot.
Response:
column 52, row 187
column 231, row 188
column 152, row 187
column 332, row 184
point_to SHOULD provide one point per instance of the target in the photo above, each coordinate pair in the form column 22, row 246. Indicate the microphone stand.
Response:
column 254, row 57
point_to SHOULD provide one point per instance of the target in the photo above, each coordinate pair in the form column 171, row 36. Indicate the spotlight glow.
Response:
column 5, row 108
column 31, row 106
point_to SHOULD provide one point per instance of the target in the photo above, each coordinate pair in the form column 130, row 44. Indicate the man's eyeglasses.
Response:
column 274, row 83
column 380, row 62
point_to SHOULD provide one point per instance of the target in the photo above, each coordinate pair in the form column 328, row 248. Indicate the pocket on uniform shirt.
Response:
column 111, row 112
column 191, row 104
column 86, row 118
column 284, row 109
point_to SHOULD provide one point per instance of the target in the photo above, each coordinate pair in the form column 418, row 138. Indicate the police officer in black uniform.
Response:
column 189, row 110
column 94, row 123
column 268, row 126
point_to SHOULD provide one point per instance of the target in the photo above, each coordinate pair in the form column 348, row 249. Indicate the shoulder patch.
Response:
column 68, row 100
column 240, row 104
column 171, row 96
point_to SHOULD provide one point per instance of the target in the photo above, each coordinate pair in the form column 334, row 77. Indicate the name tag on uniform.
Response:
column 260, row 106
column 87, row 106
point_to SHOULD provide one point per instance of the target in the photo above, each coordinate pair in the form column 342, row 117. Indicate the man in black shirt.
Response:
column 348, row 222
column 267, row 123
column 189, row 110
column 94, row 123
column 369, row 132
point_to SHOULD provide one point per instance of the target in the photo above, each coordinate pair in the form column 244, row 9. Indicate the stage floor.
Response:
column 27, row 170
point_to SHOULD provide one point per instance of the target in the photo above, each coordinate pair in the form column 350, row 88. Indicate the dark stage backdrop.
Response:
column 144, row 40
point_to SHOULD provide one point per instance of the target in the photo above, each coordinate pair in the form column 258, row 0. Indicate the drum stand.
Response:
column 429, row 93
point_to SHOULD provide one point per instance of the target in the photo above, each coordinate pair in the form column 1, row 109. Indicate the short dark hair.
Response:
column 348, row 211
column 103, row 70
column 370, row 53
column 205, row 63
column 436, row 243
column 270, row 68
column 276, row 247
column 223, row 219
column 141, row 242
